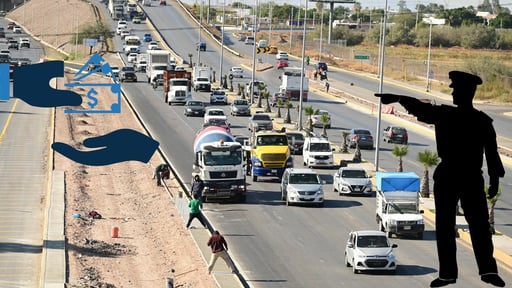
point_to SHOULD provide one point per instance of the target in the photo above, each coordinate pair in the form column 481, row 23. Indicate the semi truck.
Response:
column 398, row 204
column 270, row 154
column 290, row 83
column 177, row 86
column 116, row 9
column 219, row 161
column 157, row 63
column 201, row 75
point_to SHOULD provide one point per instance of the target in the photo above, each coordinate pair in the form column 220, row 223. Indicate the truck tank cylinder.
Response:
column 211, row 134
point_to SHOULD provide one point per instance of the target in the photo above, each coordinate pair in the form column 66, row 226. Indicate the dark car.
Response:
column 201, row 46
column 278, row 96
column 10, row 25
column 321, row 66
column 395, row 134
column 296, row 141
column 364, row 136
column 194, row 108
column 218, row 122
column 13, row 44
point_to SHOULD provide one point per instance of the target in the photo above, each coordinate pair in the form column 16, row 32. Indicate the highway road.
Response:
column 24, row 157
column 278, row 246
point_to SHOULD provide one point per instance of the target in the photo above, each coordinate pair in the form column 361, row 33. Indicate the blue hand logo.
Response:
column 118, row 146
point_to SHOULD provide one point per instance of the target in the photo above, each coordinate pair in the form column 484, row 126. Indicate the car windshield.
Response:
column 320, row 147
column 399, row 130
column 195, row 103
column 304, row 178
column 262, row 117
column 240, row 102
column 272, row 140
column 128, row 68
column 362, row 132
column 219, row 93
column 216, row 112
column 353, row 174
column 374, row 241
column 215, row 158
column 217, row 122
column 295, row 137
column 402, row 208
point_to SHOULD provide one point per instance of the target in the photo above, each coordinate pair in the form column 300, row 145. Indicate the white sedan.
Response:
column 214, row 113
column 370, row 250
column 153, row 45
column 132, row 57
column 282, row 56
column 237, row 72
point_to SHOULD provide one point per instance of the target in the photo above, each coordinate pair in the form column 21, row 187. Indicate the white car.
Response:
column 153, row 45
column 236, row 72
column 124, row 33
column 316, row 120
column 368, row 250
column 115, row 70
column 218, row 96
column 122, row 24
column 282, row 56
column 351, row 181
column 132, row 57
column 214, row 113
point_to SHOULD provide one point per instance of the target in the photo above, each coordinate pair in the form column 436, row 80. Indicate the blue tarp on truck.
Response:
column 398, row 181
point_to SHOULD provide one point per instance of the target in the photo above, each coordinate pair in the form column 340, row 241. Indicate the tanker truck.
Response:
column 219, row 161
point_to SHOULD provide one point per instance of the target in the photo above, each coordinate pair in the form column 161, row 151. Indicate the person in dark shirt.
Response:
column 219, row 248
column 162, row 171
column 459, row 175
column 198, row 187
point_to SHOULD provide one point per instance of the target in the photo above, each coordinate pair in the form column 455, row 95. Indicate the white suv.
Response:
column 317, row 152
column 302, row 186
column 351, row 180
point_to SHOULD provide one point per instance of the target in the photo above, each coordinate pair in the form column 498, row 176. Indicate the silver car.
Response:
column 240, row 107
column 351, row 181
column 316, row 120
column 260, row 121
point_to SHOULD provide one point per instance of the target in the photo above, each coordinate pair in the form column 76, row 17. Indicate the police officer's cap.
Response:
column 464, row 78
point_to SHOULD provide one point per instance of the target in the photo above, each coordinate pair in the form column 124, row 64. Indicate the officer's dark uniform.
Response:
column 463, row 136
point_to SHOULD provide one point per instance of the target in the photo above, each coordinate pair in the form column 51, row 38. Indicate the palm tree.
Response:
column 428, row 159
column 266, row 95
column 324, row 119
column 344, row 147
column 261, row 87
column 288, row 105
column 279, row 104
column 492, row 201
column 190, row 59
column 357, row 154
column 310, row 111
column 400, row 151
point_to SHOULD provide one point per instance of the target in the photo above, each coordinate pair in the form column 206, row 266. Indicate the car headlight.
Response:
column 420, row 222
column 320, row 191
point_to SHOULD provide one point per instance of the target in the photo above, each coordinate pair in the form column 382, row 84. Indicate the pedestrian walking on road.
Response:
column 459, row 175
column 327, row 85
column 195, row 206
column 198, row 187
column 219, row 248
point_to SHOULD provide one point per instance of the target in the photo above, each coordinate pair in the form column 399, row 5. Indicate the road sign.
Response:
column 362, row 57
column 263, row 50
column 90, row 42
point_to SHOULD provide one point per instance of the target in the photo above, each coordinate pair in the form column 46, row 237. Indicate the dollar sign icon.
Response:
column 91, row 95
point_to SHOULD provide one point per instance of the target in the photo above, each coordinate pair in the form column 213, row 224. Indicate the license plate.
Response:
column 407, row 227
column 273, row 170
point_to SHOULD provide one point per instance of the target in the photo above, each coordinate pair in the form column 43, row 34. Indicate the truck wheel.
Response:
column 381, row 227
column 243, row 198
column 389, row 234
column 254, row 178
column 419, row 235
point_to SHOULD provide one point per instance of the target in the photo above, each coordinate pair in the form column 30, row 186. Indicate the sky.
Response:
column 392, row 4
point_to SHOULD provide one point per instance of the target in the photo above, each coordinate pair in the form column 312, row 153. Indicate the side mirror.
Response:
column 351, row 245
column 394, row 245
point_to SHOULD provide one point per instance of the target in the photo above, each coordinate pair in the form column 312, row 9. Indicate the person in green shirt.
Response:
column 195, row 206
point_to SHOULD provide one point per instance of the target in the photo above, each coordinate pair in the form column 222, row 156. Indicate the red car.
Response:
column 281, row 64
column 10, row 25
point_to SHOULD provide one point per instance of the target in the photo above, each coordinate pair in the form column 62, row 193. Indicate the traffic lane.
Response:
column 239, row 225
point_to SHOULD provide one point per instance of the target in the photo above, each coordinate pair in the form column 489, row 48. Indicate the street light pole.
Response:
column 428, row 56
column 222, row 40
column 302, row 65
column 321, row 36
column 254, row 51
column 200, row 27
column 381, row 83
